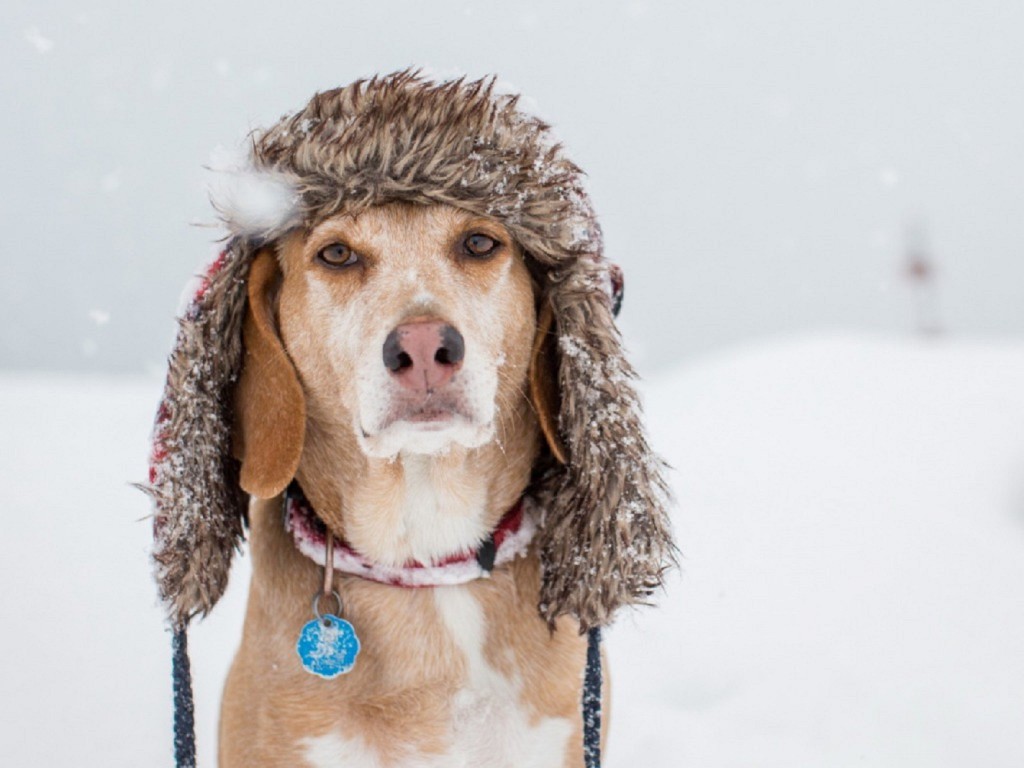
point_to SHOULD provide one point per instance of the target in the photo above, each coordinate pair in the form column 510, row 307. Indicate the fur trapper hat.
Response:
column 605, row 539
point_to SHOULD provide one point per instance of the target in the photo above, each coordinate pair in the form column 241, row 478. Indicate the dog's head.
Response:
column 404, row 329
column 407, row 329
column 439, row 258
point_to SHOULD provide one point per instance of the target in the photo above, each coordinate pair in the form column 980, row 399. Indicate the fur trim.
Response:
column 193, row 477
column 605, row 541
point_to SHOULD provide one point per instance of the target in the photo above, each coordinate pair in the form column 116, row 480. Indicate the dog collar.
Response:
column 509, row 540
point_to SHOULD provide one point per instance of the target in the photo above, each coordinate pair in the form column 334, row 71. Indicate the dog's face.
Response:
column 410, row 326
column 388, row 368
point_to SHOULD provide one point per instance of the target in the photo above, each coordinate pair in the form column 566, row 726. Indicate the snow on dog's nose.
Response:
column 423, row 356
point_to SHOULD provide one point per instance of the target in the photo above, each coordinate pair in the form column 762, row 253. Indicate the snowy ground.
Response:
column 851, row 512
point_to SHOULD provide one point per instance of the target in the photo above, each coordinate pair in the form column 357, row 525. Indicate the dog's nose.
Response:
column 424, row 356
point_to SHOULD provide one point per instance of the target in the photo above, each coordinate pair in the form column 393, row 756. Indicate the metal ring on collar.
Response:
column 316, row 603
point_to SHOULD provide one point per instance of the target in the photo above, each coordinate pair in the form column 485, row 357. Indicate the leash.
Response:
column 184, row 706
column 592, row 701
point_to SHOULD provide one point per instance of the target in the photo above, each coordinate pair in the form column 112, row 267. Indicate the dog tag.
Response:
column 328, row 646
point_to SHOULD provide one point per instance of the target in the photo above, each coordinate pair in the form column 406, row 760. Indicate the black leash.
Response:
column 592, row 701
column 184, row 706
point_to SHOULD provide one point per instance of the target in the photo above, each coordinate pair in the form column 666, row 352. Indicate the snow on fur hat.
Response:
column 605, row 539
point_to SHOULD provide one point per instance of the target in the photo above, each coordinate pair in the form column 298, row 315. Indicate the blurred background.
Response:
column 759, row 167
column 818, row 208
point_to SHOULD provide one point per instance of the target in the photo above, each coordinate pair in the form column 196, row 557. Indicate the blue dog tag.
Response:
column 328, row 646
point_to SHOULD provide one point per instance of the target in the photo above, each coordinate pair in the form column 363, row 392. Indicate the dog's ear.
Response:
column 270, row 408
column 544, row 379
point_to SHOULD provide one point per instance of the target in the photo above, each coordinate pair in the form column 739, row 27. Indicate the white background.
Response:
column 756, row 164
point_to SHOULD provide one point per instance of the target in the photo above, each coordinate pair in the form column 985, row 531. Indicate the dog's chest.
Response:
column 489, row 723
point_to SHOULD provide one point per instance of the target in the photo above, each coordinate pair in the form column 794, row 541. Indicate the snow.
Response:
column 851, row 515
column 37, row 40
column 99, row 316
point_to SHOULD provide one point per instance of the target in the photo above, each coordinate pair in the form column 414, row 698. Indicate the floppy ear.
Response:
column 544, row 379
column 270, row 408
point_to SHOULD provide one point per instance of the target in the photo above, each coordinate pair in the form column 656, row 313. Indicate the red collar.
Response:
column 508, row 541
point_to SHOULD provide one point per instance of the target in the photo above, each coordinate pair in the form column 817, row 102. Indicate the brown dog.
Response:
column 406, row 356
column 450, row 676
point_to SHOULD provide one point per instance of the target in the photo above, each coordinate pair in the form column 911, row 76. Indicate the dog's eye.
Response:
column 337, row 255
column 480, row 246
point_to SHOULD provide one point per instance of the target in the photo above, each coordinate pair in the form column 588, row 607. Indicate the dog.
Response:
column 412, row 371
column 454, row 675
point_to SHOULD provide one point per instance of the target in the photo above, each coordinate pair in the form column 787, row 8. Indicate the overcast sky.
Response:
column 756, row 165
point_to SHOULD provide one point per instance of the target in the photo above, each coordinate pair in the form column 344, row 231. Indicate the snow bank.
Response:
column 851, row 512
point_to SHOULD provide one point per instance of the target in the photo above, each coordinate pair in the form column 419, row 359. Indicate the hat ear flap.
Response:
column 193, row 478
column 544, row 379
column 606, row 540
column 270, row 408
